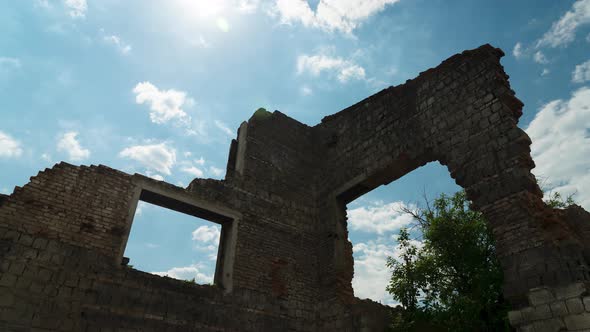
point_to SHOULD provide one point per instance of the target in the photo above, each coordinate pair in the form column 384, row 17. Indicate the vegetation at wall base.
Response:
column 451, row 280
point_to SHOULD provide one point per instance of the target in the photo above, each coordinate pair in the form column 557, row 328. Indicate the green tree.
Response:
column 451, row 280
column 556, row 200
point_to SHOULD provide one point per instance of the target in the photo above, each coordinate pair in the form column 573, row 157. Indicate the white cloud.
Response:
column 200, row 42
column 248, row 6
column 560, row 133
column 540, row 58
column 563, row 31
column 330, row 15
column 9, row 147
column 158, row 157
column 196, row 128
column 306, row 90
column 141, row 206
column 293, row 11
column 216, row 171
column 582, row 73
column 187, row 273
column 224, row 128
column 8, row 63
column 69, row 144
column 351, row 72
column 208, row 235
column 315, row 64
column 188, row 166
column 155, row 176
column 118, row 43
column 165, row 105
column 152, row 245
column 192, row 170
column 345, row 70
column 588, row 38
column 379, row 218
column 76, row 8
column 545, row 72
column 371, row 275
column 46, row 157
column 200, row 161
column 518, row 51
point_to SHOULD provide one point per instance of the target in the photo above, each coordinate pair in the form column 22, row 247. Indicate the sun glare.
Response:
column 205, row 13
column 202, row 8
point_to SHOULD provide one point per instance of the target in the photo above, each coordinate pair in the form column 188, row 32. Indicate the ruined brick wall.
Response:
column 285, row 261
column 80, row 206
column 58, row 273
column 463, row 114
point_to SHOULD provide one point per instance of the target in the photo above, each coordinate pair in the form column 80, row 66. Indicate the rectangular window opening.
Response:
column 172, row 238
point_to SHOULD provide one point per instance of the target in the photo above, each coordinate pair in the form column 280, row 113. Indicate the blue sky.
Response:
column 159, row 88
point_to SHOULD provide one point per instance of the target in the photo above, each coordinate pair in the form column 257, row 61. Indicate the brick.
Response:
column 574, row 306
column 527, row 328
column 515, row 317
column 40, row 243
column 541, row 312
column 6, row 298
column 559, row 308
column 577, row 322
column 549, row 325
column 539, row 296
column 569, row 291
column 26, row 240
column 8, row 280
column 44, row 274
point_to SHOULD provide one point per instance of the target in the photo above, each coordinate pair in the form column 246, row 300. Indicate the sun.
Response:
column 202, row 8
column 202, row 13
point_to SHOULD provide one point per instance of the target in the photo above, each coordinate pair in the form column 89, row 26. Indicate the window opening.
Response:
column 171, row 238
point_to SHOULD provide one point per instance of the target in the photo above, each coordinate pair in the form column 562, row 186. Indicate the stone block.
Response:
column 574, row 306
column 26, row 240
column 515, row 317
column 559, row 308
column 540, row 295
column 8, row 280
column 549, row 325
column 587, row 303
column 527, row 313
column 6, row 298
column 40, row 243
column 577, row 322
column 569, row 291
column 541, row 312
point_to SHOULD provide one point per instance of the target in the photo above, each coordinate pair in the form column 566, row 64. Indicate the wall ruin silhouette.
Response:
column 285, row 261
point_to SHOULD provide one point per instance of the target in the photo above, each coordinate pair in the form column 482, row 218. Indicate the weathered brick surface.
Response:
column 286, row 263
column 567, row 310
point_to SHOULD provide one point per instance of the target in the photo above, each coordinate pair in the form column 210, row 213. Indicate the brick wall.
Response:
column 287, row 263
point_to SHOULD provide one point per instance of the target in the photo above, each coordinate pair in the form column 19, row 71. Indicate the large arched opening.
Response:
column 375, row 219
column 463, row 115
